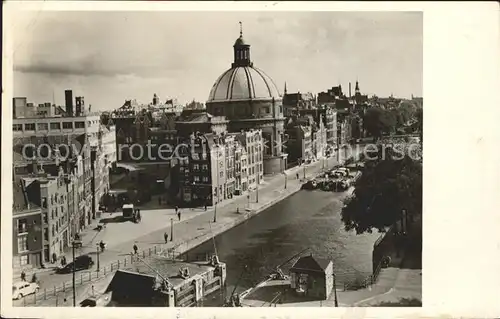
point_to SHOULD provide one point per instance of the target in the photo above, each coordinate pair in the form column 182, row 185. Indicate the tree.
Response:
column 378, row 121
column 387, row 187
column 419, row 116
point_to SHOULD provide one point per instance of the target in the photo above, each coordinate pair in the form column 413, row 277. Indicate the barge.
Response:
column 164, row 282
column 311, row 283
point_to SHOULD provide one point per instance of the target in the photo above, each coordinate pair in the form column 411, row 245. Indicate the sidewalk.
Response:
column 195, row 227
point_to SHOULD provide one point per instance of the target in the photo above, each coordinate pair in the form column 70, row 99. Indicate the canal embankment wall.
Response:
column 229, row 223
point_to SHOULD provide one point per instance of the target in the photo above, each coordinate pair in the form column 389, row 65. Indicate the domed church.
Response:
column 249, row 99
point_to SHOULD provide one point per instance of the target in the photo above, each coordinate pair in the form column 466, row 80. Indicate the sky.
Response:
column 109, row 57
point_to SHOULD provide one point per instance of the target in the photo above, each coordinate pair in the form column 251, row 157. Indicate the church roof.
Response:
column 243, row 83
column 240, row 41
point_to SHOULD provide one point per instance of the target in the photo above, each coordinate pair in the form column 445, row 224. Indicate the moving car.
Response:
column 80, row 263
column 24, row 288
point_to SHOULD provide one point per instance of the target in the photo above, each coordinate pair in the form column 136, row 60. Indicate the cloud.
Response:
column 182, row 53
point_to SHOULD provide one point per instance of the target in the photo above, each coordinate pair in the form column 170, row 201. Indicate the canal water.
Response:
column 307, row 219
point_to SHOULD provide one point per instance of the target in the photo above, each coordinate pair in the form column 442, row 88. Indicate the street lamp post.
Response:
column 335, row 291
column 286, row 179
column 248, row 198
column 304, row 171
column 257, row 190
column 171, row 229
column 97, row 251
column 218, row 187
column 73, row 271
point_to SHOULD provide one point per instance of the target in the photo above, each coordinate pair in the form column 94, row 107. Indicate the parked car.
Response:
column 80, row 263
column 24, row 288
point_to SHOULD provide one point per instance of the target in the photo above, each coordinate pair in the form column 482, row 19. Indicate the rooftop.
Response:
column 21, row 202
column 310, row 263
column 169, row 269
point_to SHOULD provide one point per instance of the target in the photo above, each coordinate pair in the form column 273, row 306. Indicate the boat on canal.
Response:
column 311, row 283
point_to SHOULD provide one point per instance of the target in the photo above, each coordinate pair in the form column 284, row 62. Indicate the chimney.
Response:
column 68, row 97
column 80, row 105
column 34, row 167
column 349, row 89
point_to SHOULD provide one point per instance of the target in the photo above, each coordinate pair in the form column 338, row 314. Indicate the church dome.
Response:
column 243, row 83
column 240, row 41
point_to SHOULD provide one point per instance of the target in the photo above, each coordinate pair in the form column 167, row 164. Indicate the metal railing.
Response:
column 57, row 294
column 364, row 282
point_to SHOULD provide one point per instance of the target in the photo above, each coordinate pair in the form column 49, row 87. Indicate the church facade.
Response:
column 249, row 99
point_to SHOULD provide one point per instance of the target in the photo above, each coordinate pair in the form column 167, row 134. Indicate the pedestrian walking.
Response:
column 165, row 236
column 176, row 209
column 54, row 258
column 205, row 207
column 34, row 278
column 297, row 175
column 23, row 276
column 179, row 215
column 135, row 249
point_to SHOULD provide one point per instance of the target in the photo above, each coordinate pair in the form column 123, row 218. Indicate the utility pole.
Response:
column 286, row 179
column 304, row 171
column 73, row 271
column 171, row 229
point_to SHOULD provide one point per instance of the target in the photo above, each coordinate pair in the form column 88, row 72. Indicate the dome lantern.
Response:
column 241, row 51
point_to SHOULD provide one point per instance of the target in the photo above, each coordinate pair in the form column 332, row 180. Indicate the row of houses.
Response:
column 203, row 163
column 62, row 158
column 318, row 124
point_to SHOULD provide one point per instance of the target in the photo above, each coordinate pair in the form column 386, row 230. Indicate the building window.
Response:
column 196, row 167
column 79, row 124
column 67, row 125
column 205, row 179
column 44, row 202
column 23, row 260
column 46, row 234
column 204, row 167
column 29, row 126
column 55, row 126
column 22, row 244
column 45, row 218
column 196, row 178
column 17, row 127
column 22, row 226
column 42, row 126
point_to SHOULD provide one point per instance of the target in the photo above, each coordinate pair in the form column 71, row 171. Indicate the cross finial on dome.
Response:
column 241, row 29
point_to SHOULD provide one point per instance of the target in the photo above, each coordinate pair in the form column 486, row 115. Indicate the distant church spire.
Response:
column 285, row 87
column 241, row 51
